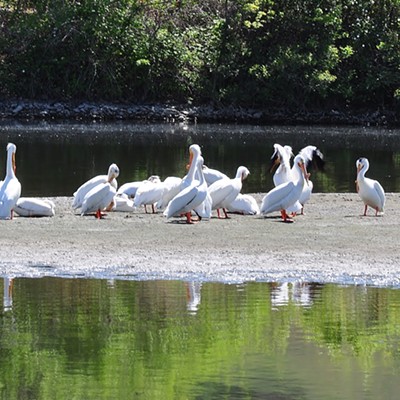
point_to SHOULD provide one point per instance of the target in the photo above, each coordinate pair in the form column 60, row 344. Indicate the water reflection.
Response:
column 54, row 159
column 95, row 339
column 298, row 293
column 8, row 293
column 193, row 296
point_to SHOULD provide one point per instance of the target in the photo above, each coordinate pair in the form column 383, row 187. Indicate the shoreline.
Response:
column 331, row 243
column 30, row 110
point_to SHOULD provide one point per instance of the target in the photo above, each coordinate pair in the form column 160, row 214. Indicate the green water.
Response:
column 97, row 339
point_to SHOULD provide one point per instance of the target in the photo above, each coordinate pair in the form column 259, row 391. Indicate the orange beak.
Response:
column 190, row 160
column 13, row 163
column 304, row 169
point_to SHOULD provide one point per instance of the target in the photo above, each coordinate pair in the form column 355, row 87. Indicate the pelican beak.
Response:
column 305, row 173
column 14, row 166
column 190, row 160
column 275, row 161
column 359, row 167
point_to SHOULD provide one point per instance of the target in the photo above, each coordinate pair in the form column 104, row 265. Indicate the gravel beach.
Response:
column 332, row 242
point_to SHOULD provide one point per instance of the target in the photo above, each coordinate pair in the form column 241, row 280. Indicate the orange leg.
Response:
column 285, row 217
column 99, row 214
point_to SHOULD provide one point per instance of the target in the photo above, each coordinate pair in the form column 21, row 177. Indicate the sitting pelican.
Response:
column 123, row 203
column 81, row 192
column 244, row 204
column 370, row 190
column 194, row 192
column 10, row 189
column 224, row 191
column 287, row 194
column 34, row 207
column 101, row 196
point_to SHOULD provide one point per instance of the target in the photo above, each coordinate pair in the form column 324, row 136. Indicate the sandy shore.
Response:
column 331, row 243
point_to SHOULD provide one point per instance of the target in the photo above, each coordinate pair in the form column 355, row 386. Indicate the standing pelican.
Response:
column 101, row 196
column 172, row 186
column 370, row 190
column 224, row 191
column 10, row 189
column 281, row 158
column 130, row 188
column 81, row 192
column 149, row 193
column 194, row 192
column 287, row 194
column 312, row 157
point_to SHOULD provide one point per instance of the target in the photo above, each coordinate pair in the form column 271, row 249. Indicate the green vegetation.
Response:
column 301, row 55
column 93, row 339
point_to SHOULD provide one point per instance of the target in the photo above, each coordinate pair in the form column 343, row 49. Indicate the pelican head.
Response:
column 300, row 162
column 275, row 159
column 154, row 179
column 12, row 149
column 194, row 150
column 361, row 163
column 113, row 172
column 242, row 173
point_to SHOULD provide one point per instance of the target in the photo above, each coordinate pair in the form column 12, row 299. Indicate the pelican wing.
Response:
column 212, row 175
column 85, row 188
column 98, row 198
column 129, row 188
column 172, row 186
column 224, row 191
column 186, row 200
column 381, row 193
column 278, row 198
column 148, row 193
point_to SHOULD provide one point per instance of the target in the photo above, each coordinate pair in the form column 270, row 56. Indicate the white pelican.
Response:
column 10, row 189
column 281, row 158
column 130, row 188
column 101, row 196
column 34, row 207
column 172, row 186
column 312, row 157
column 123, row 203
column 370, row 190
column 244, row 204
column 211, row 175
column 194, row 192
column 224, row 191
column 148, row 193
column 81, row 192
column 287, row 194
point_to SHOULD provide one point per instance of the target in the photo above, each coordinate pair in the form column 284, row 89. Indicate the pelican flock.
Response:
column 197, row 193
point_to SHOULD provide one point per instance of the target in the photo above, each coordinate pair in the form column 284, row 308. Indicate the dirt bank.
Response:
column 331, row 243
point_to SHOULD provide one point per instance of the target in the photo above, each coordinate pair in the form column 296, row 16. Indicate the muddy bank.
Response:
column 331, row 243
